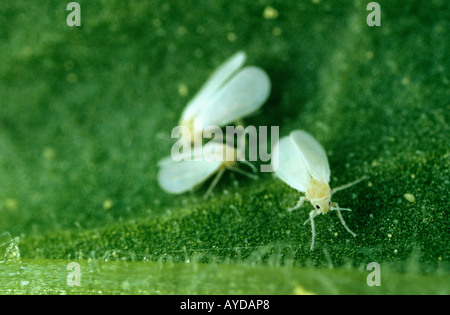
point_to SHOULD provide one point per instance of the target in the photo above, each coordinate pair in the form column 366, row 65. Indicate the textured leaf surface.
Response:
column 86, row 113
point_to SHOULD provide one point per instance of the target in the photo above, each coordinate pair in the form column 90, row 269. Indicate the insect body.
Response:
column 303, row 165
column 231, row 93
column 179, row 177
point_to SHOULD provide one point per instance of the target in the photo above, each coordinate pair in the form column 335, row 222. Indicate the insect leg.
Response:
column 299, row 204
column 312, row 215
column 342, row 218
column 214, row 182
column 334, row 190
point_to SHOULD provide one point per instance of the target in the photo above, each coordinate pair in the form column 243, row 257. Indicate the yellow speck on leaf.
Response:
column 107, row 204
column 276, row 31
column 11, row 204
column 48, row 153
column 410, row 197
column 405, row 81
column 182, row 89
column 231, row 37
column 270, row 13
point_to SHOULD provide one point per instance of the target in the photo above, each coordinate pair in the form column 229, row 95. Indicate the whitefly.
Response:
column 303, row 165
column 230, row 94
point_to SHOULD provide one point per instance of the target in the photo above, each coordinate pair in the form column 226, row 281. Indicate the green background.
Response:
column 86, row 112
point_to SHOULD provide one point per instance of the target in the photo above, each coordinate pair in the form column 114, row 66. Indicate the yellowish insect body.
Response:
column 319, row 194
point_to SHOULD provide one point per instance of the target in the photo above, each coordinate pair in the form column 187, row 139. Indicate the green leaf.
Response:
column 86, row 113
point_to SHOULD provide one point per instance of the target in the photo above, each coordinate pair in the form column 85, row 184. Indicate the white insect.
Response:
column 231, row 93
column 303, row 165
column 179, row 177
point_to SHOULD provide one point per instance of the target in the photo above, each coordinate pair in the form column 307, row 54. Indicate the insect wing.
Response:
column 313, row 155
column 217, row 79
column 242, row 95
column 290, row 165
column 179, row 177
column 165, row 162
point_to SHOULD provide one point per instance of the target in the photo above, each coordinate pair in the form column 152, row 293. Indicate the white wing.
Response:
column 239, row 97
column 164, row 162
column 217, row 79
column 179, row 177
column 313, row 155
column 289, row 165
column 192, row 154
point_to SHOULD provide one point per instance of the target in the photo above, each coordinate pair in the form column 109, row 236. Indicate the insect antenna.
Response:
column 334, row 190
column 249, row 175
column 254, row 169
column 337, row 209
